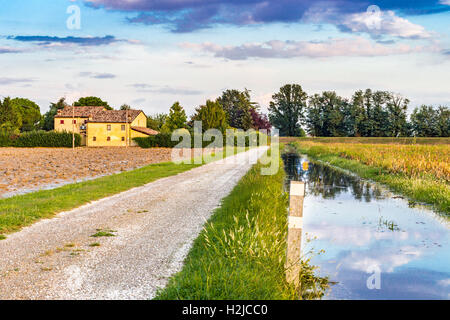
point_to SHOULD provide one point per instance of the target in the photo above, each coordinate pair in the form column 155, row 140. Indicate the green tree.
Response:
column 212, row 116
column 48, row 121
column 325, row 115
column 92, row 102
column 286, row 111
column 397, row 124
column 424, row 122
column 10, row 119
column 443, row 121
column 29, row 112
column 125, row 107
column 176, row 120
column 237, row 106
column 156, row 121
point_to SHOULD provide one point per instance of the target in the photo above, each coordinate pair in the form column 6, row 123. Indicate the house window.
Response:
column 123, row 138
column 61, row 122
column 108, row 127
column 94, row 139
column 108, row 139
column 123, row 127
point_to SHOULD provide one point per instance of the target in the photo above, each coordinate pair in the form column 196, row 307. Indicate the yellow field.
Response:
column 412, row 160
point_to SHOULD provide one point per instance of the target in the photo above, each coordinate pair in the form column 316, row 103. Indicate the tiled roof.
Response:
column 115, row 116
column 144, row 130
column 80, row 112
column 99, row 114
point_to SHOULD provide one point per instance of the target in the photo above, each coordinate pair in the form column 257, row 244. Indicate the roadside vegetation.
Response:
column 241, row 252
column 370, row 140
column 23, row 210
column 20, row 211
column 421, row 172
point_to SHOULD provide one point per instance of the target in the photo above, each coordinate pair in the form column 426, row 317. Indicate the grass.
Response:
column 370, row 140
column 419, row 172
column 104, row 233
column 20, row 211
column 241, row 252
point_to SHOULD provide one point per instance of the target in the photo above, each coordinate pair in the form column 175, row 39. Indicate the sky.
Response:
column 151, row 53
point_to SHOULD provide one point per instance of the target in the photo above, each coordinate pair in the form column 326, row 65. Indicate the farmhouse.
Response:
column 99, row 127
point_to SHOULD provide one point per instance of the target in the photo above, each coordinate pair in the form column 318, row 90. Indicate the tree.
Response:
column 286, row 111
column 397, row 124
column 424, row 122
column 379, row 114
column 10, row 119
column 92, row 102
column 29, row 113
column 212, row 116
column 125, row 107
column 48, row 122
column 325, row 115
column 260, row 120
column 176, row 120
column 156, row 121
column 443, row 121
column 237, row 106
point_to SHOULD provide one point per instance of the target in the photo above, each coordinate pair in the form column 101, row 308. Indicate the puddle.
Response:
column 375, row 245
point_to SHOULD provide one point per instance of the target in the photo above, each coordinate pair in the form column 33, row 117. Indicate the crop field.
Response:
column 371, row 140
column 420, row 171
column 28, row 169
column 412, row 160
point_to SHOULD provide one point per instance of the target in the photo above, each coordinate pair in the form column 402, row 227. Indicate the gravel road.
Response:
column 153, row 227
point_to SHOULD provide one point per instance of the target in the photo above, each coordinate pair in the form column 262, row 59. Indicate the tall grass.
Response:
column 241, row 252
column 370, row 140
column 420, row 172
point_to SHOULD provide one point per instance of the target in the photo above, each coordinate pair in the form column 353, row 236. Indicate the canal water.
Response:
column 375, row 246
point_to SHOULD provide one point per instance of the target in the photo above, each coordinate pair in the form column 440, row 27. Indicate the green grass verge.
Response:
column 241, row 252
column 20, row 211
column 422, row 190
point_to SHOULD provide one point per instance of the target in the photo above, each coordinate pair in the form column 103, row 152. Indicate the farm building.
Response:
column 99, row 127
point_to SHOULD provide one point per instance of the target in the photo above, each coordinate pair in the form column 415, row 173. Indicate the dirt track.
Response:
column 153, row 227
column 27, row 169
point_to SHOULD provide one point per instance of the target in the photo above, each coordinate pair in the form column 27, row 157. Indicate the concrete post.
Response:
column 295, row 226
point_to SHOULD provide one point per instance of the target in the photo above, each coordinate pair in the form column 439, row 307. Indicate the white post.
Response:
column 73, row 127
column 295, row 227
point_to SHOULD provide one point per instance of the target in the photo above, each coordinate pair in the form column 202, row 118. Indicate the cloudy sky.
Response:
column 150, row 53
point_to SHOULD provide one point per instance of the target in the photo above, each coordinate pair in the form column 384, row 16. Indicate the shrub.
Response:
column 49, row 139
column 164, row 140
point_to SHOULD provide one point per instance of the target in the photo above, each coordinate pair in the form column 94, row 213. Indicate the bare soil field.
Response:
column 27, row 169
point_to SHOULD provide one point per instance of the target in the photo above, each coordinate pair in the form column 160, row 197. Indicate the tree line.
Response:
column 233, row 109
column 367, row 114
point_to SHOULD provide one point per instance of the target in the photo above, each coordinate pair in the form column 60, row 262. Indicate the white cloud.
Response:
column 344, row 47
column 446, row 2
column 384, row 23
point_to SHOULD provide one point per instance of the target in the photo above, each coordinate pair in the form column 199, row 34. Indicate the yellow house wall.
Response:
column 67, row 126
column 99, row 130
column 140, row 121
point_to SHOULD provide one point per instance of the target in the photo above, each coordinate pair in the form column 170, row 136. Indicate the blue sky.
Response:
column 150, row 53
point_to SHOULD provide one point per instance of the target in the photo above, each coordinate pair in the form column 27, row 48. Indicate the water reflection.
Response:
column 363, row 227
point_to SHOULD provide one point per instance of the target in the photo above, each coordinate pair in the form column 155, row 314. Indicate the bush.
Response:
column 32, row 139
column 164, row 140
